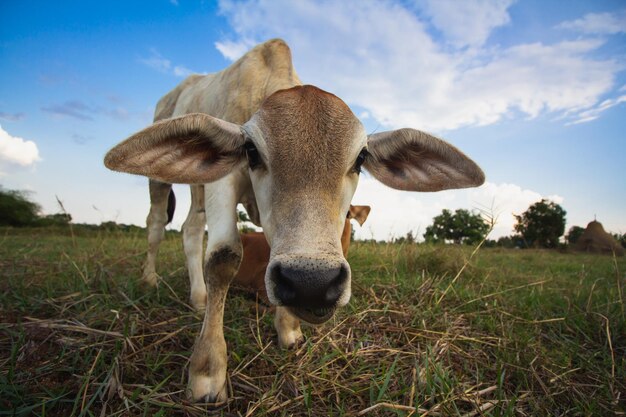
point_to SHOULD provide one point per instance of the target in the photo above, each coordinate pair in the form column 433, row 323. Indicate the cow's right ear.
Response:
column 191, row 149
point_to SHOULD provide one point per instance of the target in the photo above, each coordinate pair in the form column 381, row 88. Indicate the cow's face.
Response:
column 304, row 149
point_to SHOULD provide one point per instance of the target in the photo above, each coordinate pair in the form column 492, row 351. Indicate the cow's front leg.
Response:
column 288, row 328
column 207, row 368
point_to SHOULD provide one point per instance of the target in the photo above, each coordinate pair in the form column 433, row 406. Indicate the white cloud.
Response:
column 534, row 78
column 380, row 57
column 467, row 22
column 394, row 213
column 17, row 151
column 156, row 61
column 159, row 63
column 598, row 23
column 594, row 113
column 504, row 200
column 364, row 115
column 181, row 71
column 233, row 50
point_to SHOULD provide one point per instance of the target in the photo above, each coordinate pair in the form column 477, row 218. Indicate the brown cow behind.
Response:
column 256, row 254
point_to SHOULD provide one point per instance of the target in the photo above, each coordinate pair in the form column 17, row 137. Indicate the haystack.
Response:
column 596, row 240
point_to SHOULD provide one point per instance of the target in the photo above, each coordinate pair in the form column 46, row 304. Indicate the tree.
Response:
column 574, row 233
column 542, row 224
column 460, row 227
column 16, row 209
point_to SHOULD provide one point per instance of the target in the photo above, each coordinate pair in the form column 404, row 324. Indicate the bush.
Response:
column 17, row 210
column 510, row 242
column 621, row 239
column 59, row 219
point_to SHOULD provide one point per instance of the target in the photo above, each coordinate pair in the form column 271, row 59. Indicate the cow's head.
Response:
column 304, row 149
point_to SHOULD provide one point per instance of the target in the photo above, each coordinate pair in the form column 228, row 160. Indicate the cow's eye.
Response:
column 253, row 155
column 360, row 159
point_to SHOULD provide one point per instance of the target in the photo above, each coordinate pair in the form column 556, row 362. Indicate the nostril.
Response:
column 284, row 290
column 336, row 287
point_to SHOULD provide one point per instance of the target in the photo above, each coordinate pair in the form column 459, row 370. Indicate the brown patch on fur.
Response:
column 309, row 133
column 256, row 256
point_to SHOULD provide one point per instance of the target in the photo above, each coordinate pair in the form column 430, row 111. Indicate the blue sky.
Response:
column 534, row 91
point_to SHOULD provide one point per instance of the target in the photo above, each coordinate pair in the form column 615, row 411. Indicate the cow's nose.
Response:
column 308, row 287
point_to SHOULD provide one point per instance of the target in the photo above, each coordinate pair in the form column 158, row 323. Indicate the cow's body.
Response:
column 292, row 155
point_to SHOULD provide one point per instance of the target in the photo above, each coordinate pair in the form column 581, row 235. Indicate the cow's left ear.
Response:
column 408, row 159
column 191, row 149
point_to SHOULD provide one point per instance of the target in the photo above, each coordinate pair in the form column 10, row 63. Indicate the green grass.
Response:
column 516, row 333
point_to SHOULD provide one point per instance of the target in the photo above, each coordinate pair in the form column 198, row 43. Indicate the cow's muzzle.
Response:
column 310, row 287
column 313, row 315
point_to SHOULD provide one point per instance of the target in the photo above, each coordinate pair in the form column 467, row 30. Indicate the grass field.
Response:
column 430, row 331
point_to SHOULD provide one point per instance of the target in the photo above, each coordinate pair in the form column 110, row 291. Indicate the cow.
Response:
column 291, row 154
column 256, row 255
column 358, row 213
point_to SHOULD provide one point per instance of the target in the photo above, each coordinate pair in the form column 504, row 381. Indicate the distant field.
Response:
column 430, row 331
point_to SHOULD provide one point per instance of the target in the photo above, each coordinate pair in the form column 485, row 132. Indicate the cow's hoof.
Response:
column 150, row 279
column 214, row 399
column 290, row 339
column 207, row 390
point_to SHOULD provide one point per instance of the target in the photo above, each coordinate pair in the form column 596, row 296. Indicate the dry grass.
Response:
column 517, row 333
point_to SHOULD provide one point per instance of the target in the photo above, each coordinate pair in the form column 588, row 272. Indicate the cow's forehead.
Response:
column 306, row 128
column 309, row 110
